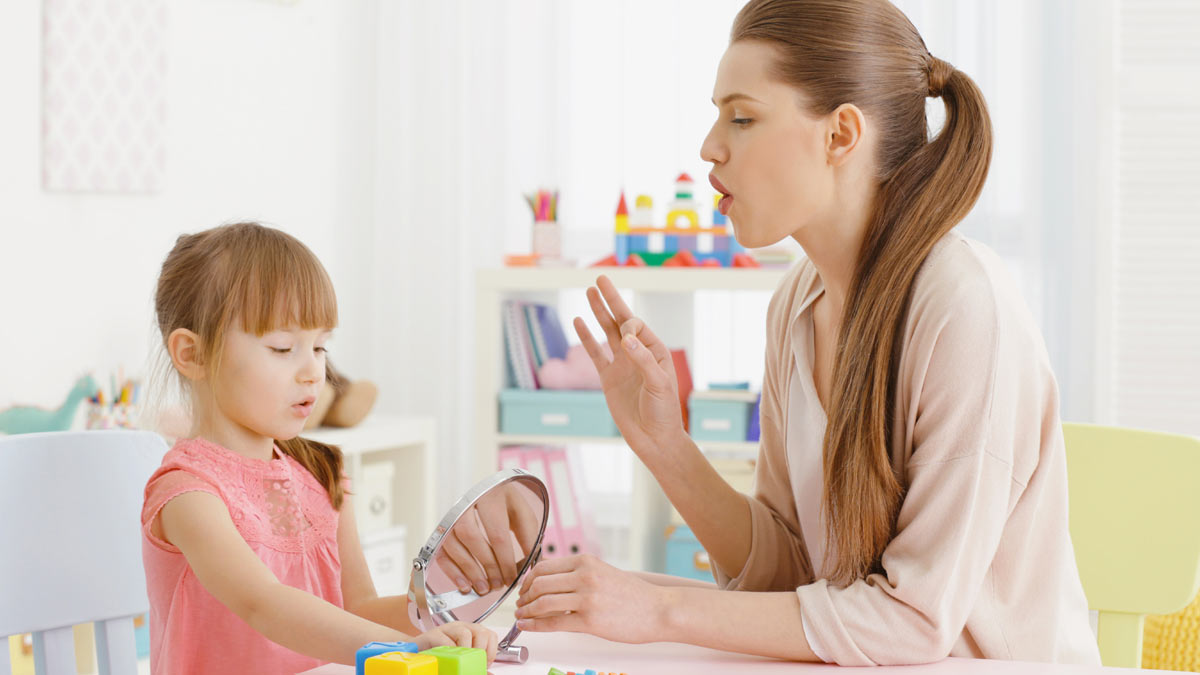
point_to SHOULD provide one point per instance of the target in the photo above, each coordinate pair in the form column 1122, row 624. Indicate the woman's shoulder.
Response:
column 791, row 290
column 963, row 283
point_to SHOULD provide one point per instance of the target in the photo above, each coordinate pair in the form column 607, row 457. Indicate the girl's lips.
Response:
column 304, row 409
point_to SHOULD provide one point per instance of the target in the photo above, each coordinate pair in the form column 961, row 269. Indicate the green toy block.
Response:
column 459, row 660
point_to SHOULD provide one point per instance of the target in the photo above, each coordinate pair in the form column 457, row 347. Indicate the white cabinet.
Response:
column 390, row 463
column 665, row 299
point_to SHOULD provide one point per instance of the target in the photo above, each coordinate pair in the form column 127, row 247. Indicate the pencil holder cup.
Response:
column 104, row 416
column 547, row 239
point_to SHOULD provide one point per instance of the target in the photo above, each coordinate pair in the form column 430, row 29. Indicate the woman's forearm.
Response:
column 717, row 514
column 668, row 580
column 390, row 611
column 763, row 624
column 309, row 625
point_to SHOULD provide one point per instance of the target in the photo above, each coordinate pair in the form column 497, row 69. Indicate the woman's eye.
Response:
column 279, row 350
column 321, row 350
column 741, row 121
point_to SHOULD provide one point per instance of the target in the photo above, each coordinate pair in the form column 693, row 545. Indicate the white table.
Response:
column 574, row 652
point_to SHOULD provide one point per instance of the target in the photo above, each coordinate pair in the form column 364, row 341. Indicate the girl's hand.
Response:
column 639, row 380
column 460, row 634
column 581, row 594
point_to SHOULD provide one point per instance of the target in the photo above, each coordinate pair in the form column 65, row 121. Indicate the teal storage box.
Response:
column 685, row 556
column 722, row 415
column 551, row 412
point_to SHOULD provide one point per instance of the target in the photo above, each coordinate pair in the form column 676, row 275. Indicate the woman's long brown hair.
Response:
column 264, row 278
column 866, row 52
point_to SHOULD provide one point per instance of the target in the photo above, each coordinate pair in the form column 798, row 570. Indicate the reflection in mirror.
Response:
column 478, row 554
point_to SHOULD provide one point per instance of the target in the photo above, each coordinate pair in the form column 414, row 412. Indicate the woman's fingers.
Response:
column 547, row 605
column 599, row 358
column 451, row 569
column 546, row 586
column 620, row 311
column 551, row 566
column 495, row 518
column 604, row 318
column 653, row 373
column 525, row 522
column 558, row 623
column 469, row 531
column 638, row 328
column 466, row 561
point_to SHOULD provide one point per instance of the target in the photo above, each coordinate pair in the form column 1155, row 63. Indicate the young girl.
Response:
column 252, row 558
column 911, row 489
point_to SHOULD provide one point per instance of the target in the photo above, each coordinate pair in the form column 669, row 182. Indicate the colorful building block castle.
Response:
column 683, row 242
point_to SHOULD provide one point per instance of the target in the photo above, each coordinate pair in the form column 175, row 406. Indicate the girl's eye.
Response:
column 741, row 121
column 278, row 350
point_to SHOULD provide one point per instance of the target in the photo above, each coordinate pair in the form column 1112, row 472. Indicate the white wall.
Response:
column 266, row 120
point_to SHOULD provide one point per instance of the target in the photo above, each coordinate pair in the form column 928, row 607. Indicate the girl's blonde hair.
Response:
column 263, row 278
column 866, row 52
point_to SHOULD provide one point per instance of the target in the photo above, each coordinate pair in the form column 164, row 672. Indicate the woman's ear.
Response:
column 843, row 134
column 184, row 348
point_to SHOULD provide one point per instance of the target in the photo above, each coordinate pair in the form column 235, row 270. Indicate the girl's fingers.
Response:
column 607, row 323
column 493, row 645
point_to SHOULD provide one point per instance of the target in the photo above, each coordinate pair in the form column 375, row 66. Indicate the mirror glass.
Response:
column 479, row 553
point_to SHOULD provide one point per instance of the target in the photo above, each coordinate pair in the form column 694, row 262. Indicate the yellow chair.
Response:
column 1135, row 525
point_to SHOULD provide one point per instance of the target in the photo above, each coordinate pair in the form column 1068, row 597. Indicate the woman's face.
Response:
column 768, row 154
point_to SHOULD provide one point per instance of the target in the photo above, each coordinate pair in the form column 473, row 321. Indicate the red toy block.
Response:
column 744, row 260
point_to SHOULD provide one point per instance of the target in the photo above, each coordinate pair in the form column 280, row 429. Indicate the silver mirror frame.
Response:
column 418, row 597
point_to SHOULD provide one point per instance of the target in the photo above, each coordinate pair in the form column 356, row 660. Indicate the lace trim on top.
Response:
column 277, row 502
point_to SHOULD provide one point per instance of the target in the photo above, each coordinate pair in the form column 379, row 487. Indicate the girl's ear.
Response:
column 843, row 133
column 184, row 347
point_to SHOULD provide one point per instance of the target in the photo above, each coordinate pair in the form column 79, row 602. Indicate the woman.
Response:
column 911, row 489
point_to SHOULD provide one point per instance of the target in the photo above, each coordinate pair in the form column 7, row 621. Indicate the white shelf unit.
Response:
column 665, row 299
column 407, row 444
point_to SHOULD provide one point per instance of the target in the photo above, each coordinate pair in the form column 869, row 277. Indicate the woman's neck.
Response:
column 833, row 245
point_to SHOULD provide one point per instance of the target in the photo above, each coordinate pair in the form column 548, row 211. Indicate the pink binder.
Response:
column 573, row 526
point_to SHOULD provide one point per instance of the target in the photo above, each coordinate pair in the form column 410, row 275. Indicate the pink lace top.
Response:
column 285, row 516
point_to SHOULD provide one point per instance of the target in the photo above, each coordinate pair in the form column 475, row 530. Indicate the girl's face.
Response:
column 768, row 155
column 268, row 384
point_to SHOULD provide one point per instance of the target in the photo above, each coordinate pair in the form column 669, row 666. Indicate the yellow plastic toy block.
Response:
column 401, row 663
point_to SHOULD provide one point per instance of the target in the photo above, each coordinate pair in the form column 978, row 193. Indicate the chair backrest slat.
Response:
column 115, row 650
column 54, row 651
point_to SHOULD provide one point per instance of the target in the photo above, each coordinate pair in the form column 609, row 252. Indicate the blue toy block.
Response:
column 637, row 242
column 670, row 243
column 622, row 248
column 376, row 648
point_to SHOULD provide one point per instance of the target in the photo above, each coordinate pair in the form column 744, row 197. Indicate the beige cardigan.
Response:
column 981, row 564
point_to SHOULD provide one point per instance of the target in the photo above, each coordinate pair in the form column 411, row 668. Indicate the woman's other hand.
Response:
column 639, row 380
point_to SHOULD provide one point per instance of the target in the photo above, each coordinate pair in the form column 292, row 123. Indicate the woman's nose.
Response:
column 713, row 148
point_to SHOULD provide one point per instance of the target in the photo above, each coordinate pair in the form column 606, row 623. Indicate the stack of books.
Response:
column 533, row 335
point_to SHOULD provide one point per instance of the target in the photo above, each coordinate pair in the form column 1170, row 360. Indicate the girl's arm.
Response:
column 358, row 590
column 621, row 606
column 198, row 523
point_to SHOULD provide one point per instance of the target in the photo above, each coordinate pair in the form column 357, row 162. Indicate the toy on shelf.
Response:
column 32, row 419
column 682, row 242
column 341, row 403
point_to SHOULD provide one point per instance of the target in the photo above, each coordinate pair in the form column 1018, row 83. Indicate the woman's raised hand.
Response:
column 639, row 380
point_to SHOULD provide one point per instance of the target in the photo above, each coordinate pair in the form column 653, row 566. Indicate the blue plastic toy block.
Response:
column 376, row 648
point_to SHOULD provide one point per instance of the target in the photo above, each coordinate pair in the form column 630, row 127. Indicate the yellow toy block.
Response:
column 401, row 663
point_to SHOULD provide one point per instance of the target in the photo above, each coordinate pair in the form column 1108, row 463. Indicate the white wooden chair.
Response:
column 70, row 545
